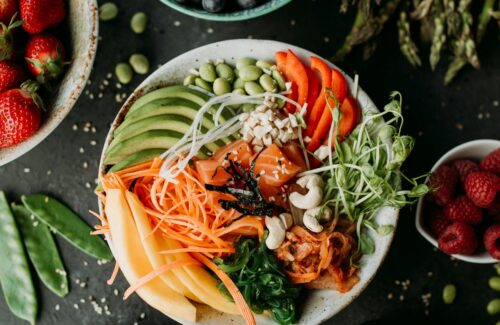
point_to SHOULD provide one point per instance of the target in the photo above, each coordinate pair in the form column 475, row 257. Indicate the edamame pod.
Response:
column 250, row 73
column 225, row 71
column 67, row 224
column 264, row 65
column 244, row 62
column 203, row 84
column 189, row 80
column 238, row 83
column 279, row 79
column 15, row 276
column 45, row 258
column 221, row 86
column 268, row 83
column 253, row 88
column 207, row 72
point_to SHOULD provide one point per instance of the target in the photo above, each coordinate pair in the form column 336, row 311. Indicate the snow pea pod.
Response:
column 42, row 251
column 15, row 276
column 67, row 224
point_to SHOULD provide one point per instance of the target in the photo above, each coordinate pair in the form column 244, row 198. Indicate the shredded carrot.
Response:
column 231, row 287
column 152, row 275
column 114, row 274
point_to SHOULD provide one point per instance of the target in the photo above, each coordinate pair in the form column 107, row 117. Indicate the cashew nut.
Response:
column 276, row 232
column 312, row 217
column 313, row 197
column 287, row 219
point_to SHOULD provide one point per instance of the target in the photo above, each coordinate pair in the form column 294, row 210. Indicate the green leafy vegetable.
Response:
column 363, row 174
column 255, row 271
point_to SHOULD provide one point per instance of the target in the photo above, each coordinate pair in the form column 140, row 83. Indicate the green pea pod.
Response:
column 42, row 251
column 67, row 224
column 15, row 276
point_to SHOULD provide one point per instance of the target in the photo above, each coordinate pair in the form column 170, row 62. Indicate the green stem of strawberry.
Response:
column 6, row 42
column 31, row 87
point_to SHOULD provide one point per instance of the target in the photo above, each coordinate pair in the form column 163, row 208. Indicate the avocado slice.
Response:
column 163, row 106
column 137, row 158
column 147, row 140
column 172, row 122
column 171, row 92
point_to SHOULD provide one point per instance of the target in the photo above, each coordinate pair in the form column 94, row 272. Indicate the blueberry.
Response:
column 213, row 5
column 247, row 4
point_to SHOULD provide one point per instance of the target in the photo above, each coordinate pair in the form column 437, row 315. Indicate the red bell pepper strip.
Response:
column 339, row 85
column 293, row 152
column 340, row 89
column 314, row 89
column 316, row 110
column 296, row 73
column 281, row 61
column 349, row 118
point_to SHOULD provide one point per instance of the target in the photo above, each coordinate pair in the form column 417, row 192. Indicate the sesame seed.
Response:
column 103, row 300
column 49, row 172
column 83, row 285
column 57, row 307
column 87, row 185
column 85, row 165
column 115, row 292
column 292, row 22
column 210, row 30
column 109, row 75
column 390, row 296
column 93, row 142
column 85, row 263
column 177, row 23
column 143, row 315
column 27, row 170
column 326, row 39
column 76, row 306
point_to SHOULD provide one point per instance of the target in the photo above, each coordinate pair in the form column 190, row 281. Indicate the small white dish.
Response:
column 82, row 21
column 475, row 150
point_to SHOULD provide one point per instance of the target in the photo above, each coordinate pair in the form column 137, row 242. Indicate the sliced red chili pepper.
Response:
column 340, row 89
column 339, row 85
column 281, row 61
column 315, row 111
column 296, row 73
column 314, row 89
column 349, row 118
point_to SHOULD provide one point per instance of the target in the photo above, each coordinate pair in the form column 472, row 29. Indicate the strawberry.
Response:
column 40, row 15
column 491, row 163
column 464, row 167
column 11, row 75
column 482, row 188
column 44, row 55
column 443, row 183
column 6, row 39
column 464, row 210
column 19, row 114
column 7, row 10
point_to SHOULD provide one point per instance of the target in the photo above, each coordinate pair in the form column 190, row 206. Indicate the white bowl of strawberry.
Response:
column 47, row 49
column 461, row 216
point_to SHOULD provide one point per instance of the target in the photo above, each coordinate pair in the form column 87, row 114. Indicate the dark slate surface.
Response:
column 439, row 117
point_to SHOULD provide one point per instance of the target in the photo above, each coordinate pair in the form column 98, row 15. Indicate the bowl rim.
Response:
column 239, row 15
column 16, row 151
column 483, row 258
column 148, row 85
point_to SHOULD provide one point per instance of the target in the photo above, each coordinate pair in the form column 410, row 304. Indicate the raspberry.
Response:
column 458, row 238
column 482, row 188
column 491, row 240
column 464, row 210
column 491, row 163
column 464, row 167
column 438, row 222
column 443, row 182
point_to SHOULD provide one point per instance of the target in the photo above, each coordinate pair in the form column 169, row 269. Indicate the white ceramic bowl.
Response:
column 82, row 19
column 320, row 305
column 475, row 150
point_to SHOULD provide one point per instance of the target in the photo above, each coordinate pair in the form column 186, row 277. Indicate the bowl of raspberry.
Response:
column 461, row 214
column 47, row 49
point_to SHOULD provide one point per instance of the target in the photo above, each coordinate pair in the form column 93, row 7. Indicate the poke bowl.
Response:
column 80, row 25
column 136, row 152
column 186, row 7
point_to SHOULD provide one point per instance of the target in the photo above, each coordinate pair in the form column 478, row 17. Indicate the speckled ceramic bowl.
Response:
column 83, row 23
column 319, row 305
column 476, row 150
column 260, row 10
